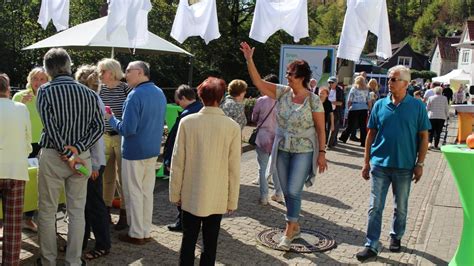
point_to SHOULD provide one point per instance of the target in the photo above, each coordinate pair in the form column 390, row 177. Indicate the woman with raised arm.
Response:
column 298, row 151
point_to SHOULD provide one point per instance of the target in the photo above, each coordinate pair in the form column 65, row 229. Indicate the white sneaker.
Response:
column 278, row 198
column 285, row 242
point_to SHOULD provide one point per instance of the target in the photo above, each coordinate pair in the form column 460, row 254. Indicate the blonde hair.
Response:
column 373, row 84
column 359, row 82
column 113, row 66
column 324, row 89
column 236, row 87
column 35, row 71
column 87, row 75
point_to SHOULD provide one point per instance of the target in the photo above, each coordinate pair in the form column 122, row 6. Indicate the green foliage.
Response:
column 424, row 74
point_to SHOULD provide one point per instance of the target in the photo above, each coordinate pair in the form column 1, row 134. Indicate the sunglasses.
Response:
column 394, row 80
column 289, row 74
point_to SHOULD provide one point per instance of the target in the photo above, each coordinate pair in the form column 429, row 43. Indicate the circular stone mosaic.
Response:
column 310, row 241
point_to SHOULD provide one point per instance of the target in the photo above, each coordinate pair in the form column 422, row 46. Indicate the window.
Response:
column 465, row 57
column 404, row 61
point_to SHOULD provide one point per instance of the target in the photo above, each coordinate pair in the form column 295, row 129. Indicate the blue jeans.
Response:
column 262, row 158
column 381, row 178
column 293, row 169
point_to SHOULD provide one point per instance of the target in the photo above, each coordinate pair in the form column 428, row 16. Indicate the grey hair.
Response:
column 143, row 66
column 438, row 90
column 57, row 62
column 403, row 71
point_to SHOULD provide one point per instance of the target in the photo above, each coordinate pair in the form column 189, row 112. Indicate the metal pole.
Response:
column 112, row 53
column 190, row 73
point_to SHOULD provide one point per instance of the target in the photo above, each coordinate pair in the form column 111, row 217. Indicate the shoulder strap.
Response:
column 287, row 89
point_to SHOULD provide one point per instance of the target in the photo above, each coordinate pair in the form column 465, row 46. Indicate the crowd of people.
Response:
column 98, row 137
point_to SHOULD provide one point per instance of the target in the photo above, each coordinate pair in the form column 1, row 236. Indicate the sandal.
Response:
column 95, row 254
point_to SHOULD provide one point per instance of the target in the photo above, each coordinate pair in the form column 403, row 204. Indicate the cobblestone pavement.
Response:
column 336, row 205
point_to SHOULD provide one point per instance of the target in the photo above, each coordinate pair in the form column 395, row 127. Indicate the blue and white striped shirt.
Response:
column 71, row 115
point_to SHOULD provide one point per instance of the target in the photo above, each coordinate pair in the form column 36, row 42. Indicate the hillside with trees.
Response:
column 418, row 22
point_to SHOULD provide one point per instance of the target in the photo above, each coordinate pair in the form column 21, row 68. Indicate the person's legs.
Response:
column 96, row 213
column 282, row 168
column 13, row 193
column 122, row 222
column 438, row 128
column 148, row 188
column 133, row 173
column 401, row 183
column 299, row 169
column 333, row 138
column 362, row 121
column 110, row 171
column 51, row 173
column 262, row 158
column 76, row 193
column 210, row 232
column 380, row 179
column 191, row 228
column 430, row 131
column 352, row 122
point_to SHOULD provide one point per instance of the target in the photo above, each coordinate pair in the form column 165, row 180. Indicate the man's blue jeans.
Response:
column 262, row 158
column 381, row 178
column 293, row 169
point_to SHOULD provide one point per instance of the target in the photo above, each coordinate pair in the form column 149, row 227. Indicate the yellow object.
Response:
column 465, row 121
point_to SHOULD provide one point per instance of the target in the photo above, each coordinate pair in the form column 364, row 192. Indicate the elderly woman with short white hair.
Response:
column 438, row 111
column 113, row 93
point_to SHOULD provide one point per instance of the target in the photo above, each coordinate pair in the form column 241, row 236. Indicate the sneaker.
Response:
column 285, row 242
column 255, row 182
column 263, row 201
column 395, row 245
column 356, row 139
column 365, row 254
column 30, row 225
column 278, row 198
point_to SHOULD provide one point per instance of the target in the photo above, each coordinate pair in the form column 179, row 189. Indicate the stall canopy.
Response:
column 458, row 75
column 93, row 35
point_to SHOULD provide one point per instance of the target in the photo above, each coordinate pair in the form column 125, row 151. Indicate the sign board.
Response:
column 321, row 59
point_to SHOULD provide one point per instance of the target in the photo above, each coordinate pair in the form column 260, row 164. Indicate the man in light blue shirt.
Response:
column 395, row 150
column 141, row 129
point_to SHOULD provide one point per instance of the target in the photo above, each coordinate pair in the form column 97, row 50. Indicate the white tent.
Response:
column 92, row 35
column 458, row 75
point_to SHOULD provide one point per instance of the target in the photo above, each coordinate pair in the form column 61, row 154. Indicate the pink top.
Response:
column 266, row 133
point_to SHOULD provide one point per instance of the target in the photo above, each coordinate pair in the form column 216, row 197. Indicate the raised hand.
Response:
column 247, row 50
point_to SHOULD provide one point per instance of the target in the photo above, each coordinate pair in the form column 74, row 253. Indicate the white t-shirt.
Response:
column 133, row 14
column 199, row 19
column 363, row 16
column 57, row 10
column 273, row 15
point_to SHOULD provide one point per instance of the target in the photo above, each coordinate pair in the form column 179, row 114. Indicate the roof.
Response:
column 446, row 51
column 470, row 29
column 399, row 47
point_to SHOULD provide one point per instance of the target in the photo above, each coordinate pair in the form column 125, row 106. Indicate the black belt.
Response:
column 111, row 133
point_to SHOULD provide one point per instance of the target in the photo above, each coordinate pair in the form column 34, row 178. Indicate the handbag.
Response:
column 253, row 136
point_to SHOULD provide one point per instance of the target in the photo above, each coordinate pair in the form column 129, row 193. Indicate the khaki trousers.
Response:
column 139, row 182
column 54, row 175
column 113, row 170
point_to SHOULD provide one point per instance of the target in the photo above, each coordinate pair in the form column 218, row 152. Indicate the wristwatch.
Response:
column 420, row 164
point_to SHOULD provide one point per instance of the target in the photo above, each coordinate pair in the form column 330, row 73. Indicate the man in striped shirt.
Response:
column 73, row 122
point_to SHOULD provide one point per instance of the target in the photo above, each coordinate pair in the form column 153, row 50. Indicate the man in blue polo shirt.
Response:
column 141, row 128
column 395, row 150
